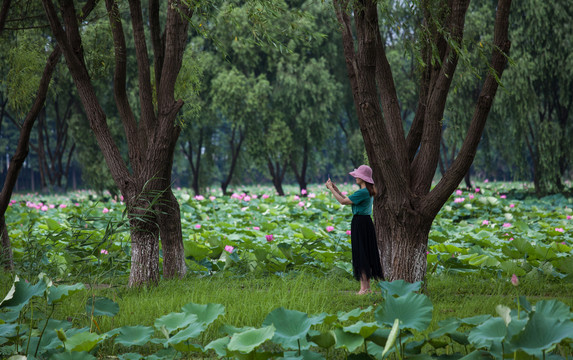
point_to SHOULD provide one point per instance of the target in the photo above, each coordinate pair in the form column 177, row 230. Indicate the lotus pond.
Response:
column 62, row 243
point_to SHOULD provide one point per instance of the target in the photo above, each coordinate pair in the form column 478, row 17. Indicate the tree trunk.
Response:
column 404, row 166
column 144, row 253
column 169, row 221
column 403, row 244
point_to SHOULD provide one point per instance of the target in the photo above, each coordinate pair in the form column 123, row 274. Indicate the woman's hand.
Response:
column 329, row 184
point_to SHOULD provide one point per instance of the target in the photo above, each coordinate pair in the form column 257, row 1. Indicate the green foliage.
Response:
column 538, row 330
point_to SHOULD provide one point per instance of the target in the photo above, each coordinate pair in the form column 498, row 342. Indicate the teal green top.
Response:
column 361, row 202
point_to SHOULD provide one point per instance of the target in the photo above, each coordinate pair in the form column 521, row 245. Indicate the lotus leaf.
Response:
column 413, row 310
column 249, row 340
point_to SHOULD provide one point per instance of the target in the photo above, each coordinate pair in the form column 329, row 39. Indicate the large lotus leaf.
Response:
column 379, row 337
column 413, row 310
column 565, row 264
column 541, row 333
column 353, row 315
column 446, row 326
column 553, row 309
column 174, row 321
column 325, row 339
column 206, row 313
column 191, row 332
column 346, row 340
column 101, row 306
column 323, row 318
column 308, row 233
column 8, row 330
column 399, row 287
column 84, row 341
column 491, row 331
column 58, row 293
column 291, row 327
column 219, row 346
column 72, row 356
column 249, row 340
column 21, row 293
column 195, row 250
column 133, row 335
column 361, row 328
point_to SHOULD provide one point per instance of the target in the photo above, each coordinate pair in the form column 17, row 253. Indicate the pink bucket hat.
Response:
column 363, row 172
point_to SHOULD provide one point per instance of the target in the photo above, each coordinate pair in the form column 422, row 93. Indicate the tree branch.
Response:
column 425, row 162
column 119, row 88
column 439, row 195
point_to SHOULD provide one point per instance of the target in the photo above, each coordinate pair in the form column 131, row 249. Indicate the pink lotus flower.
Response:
column 514, row 280
column 559, row 230
column 256, row 228
column 344, row 193
column 459, row 192
column 63, row 206
column 486, row 181
column 503, row 196
column 269, row 238
column 198, row 226
column 510, row 239
column 485, row 222
column 247, row 198
column 568, row 217
column 244, row 208
column 212, row 198
column 105, row 210
column 329, row 228
column 312, row 195
column 199, row 197
column 255, row 196
column 265, row 196
column 511, row 205
column 459, row 200
column 348, row 232
column 296, row 197
column 477, row 190
column 44, row 208
column 506, row 225
column 303, row 191
column 471, row 196
column 301, row 204
column 104, row 251
column 229, row 248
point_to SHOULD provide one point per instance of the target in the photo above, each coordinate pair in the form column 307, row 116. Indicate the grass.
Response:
column 248, row 300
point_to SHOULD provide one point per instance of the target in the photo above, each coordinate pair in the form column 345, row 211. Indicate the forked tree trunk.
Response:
column 404, row 165
column 151, row 138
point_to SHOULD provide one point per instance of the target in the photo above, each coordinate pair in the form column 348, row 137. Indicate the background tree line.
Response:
column 284, row 113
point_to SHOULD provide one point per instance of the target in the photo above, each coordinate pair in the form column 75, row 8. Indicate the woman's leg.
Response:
column 364, row 284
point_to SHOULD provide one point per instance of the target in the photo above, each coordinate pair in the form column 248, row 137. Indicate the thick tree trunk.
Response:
column 404, row 166
column 403, row 244
column 169, row 221
column 144, row 253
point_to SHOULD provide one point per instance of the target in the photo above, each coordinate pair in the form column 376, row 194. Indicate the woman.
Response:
column 365, row 256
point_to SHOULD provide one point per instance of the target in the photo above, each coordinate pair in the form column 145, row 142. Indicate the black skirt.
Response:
column 365, row 255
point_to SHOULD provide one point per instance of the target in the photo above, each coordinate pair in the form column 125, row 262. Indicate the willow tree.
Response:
column 403, row 163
